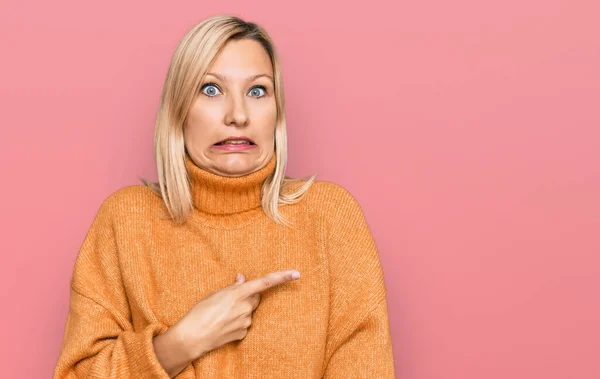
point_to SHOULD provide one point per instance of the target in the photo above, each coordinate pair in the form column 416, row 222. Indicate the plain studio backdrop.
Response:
column 467, row 130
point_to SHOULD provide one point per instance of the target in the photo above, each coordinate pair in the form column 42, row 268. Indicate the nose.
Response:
column 236, row 111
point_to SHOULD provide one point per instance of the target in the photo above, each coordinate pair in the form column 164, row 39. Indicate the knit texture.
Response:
column 137, row 273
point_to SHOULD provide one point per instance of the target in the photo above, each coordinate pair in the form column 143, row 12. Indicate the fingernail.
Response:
column 295, row 274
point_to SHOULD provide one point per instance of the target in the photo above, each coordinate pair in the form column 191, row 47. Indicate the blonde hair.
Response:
column 191, row 61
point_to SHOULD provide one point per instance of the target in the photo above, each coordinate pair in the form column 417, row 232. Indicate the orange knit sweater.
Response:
column 136, row 274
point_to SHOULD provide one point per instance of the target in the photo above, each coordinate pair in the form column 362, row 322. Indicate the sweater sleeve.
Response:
column 359, row 342
column 99, row 339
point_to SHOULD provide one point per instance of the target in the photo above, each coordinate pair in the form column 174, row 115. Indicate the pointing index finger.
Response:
column 265, row 282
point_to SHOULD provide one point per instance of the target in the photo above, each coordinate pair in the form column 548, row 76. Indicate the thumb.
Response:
column 239, row 278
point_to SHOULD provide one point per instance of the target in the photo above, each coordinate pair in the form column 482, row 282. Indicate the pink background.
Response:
column 467, row 130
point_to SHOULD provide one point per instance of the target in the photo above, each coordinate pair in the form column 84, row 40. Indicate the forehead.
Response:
column 241, row 58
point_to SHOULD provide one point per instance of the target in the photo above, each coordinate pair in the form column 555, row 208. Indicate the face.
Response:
column 236, row 98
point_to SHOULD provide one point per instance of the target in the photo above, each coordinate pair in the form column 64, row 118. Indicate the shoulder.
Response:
column 330, row 189
column 332, row 193
column 332, row 198
column 134, row 197
column 129, row 201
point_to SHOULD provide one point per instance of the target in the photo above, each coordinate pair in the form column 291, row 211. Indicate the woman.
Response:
column 153, row 293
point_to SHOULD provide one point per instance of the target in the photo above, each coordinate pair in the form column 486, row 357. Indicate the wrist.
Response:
column 192, row 349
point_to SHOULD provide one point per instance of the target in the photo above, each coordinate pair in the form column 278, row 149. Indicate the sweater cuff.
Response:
column 146, row 362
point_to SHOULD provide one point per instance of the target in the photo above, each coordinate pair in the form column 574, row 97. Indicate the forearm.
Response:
column 98, row 344
column 172, row 352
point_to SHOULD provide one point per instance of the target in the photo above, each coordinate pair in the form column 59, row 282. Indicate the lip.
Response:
column 244, row 138
column 240, row 147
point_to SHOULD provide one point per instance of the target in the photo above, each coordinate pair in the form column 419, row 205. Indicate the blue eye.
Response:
column 213, row 89
column 261, row 88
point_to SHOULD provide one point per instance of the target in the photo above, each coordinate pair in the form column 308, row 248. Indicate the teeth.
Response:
column 235, row 142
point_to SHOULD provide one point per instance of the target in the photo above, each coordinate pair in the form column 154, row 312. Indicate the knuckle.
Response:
column 235, row 294
column 267, row 282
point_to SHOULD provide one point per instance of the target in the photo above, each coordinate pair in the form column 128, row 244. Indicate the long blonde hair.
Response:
column 192, row 59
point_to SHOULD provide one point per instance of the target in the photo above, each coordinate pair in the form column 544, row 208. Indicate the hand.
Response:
column 225, row 315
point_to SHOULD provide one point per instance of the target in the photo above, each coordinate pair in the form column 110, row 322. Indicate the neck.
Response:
column 220, row 195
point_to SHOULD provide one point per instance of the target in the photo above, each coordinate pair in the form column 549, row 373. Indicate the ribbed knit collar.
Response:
column 220, row 195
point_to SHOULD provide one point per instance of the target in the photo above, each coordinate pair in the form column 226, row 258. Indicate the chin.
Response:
column 238, row 170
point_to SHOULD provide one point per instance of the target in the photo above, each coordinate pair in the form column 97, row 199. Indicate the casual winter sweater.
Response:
column 137, row 273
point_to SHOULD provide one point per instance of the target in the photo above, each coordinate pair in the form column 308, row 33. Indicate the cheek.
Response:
column 199, row 125
column 205, row 113
column 266, row 125
column 265, row 114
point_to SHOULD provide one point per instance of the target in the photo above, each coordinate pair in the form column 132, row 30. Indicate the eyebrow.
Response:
column 250, row 78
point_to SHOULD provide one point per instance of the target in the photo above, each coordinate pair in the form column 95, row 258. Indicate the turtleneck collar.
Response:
column 220, row 195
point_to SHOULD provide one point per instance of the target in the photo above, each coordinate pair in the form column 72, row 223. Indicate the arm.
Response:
column 359, row 343
column 99, row 340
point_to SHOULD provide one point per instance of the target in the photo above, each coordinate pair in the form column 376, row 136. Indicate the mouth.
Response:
column 233, row 143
